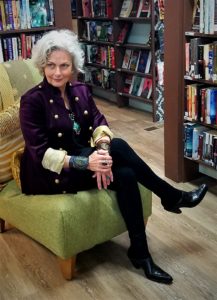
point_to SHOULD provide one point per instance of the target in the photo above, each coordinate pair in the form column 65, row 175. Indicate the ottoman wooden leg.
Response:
column 2, row 225
column 67, row 267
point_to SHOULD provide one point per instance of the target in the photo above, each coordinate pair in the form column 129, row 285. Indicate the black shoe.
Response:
column 152, row 271
column 189, row 199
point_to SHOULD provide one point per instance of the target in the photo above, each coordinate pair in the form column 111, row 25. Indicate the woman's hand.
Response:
column 100, row 162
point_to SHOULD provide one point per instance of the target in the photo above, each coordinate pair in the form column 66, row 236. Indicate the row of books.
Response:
column 137, row 60
column 200, row 143
column 98, row 31
column 201, row 103
column 201, row 59
column 138, row 86
column 17, row 47
column 102, row 55
column 135, row 8
column 101, row 77
column 97, row 8
column 25, row 14
column 205, row 16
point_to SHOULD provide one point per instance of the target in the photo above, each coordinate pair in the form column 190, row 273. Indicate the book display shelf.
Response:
column 191, row 79
column 118, row 39
column 23, row 22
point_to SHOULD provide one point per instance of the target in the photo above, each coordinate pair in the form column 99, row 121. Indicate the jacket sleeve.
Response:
column 33, row 125
column 100, row 124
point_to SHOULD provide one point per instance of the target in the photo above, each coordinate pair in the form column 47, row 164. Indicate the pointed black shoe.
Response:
column 152, row 271
column 189, row 199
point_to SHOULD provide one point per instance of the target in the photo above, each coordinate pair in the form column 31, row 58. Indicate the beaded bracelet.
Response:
column 79, row 162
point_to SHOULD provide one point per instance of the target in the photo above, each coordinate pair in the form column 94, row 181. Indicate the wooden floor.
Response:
column 184, row 245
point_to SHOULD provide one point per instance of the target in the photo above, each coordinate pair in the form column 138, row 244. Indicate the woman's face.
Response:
column 58, row 69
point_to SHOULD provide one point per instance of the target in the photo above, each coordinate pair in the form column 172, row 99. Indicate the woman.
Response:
column 69, row 147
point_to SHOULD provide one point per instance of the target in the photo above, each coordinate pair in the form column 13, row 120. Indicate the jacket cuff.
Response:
column 100, row 132
column 53, row 160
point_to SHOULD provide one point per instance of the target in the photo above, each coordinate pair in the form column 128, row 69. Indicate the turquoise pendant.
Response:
column 76, row 127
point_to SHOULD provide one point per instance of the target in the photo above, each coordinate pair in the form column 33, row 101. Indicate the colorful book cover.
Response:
column 126, row 8
column 147, row 88
column 86, row 8
column 124, row 33
column 134, row 60
column 39, row 13
column 134, row 9
column 136, row 84
column 144, row 10
column 126, row 59
column 2, row 8
column 143, row 61
column 127, row 83
column 109, row 11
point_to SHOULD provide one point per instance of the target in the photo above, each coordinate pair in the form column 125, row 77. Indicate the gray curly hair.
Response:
column 62, row 39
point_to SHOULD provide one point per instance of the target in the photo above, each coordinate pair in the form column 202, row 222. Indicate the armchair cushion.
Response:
column 67, row 223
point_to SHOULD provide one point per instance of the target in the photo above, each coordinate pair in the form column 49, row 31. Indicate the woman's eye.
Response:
column 51, row 66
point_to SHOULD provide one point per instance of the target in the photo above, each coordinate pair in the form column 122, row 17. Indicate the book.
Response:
column 144, row 10
column 86, row 8
column 1, row 52
column 39, row 14
column 161, row 9
column 109, row 11
column 126, row 59
column 134, row 9
column 146, row 89
column 3, row 16
column 124, row 33
column 188, row 138
column 196, row 16
column 195, row 141
column 139, row 33
column 144, row 61
column 127, row 83
column 135, row 85
column 126, row 8
column 134, row 59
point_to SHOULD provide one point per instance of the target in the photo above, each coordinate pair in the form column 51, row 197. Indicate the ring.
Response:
column 104, row 163
column 107, row 177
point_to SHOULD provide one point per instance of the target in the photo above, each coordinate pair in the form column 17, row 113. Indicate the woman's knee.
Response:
column 118, row 144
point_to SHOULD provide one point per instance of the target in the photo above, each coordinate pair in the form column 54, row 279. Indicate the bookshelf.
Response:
column 62, row 19
column 105, row 54
column 179, row 32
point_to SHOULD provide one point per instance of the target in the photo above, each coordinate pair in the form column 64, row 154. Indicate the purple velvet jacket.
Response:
column 45, row 123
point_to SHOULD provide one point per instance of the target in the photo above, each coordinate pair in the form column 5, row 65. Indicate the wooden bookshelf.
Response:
column 178, row 30
column 121, row 98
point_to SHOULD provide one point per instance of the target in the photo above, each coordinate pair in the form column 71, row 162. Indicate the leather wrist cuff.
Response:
column 79, row 162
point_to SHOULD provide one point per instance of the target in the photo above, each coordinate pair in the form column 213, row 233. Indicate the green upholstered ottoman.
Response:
column 67, row 223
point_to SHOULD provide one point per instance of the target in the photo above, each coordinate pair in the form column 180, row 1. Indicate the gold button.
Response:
column 59, row 134
column 76, row 98
column 40, row 86
column 90, row 128
column 64, row 192
column 57, row 181
column 56, row 116
column 51, row 100
column 85, row 112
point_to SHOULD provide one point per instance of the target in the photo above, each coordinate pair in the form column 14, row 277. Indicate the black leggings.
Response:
column 128, row 169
